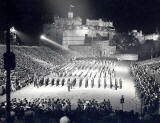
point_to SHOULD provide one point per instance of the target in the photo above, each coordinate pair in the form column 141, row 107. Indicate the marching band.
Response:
column 83, row 73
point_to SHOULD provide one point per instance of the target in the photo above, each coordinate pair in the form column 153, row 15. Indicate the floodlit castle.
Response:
column 90, row 39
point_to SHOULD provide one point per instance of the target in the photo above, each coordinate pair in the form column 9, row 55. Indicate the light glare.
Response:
column 43, row 37
column 12, row 30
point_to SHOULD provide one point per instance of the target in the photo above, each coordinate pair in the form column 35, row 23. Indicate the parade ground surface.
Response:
column 131, row 99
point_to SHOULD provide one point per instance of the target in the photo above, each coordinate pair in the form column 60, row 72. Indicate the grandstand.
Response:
column 34, row 67
column 44, row 75
column 31, row 60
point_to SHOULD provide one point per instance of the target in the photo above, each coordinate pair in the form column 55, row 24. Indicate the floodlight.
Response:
column 42, row 37
column 12, row 30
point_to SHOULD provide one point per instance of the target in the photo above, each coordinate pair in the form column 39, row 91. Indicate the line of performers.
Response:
column 71, row 82
column 83, row 73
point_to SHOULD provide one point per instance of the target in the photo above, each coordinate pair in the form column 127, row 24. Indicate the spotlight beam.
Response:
column 52, row 42
column 44, row 38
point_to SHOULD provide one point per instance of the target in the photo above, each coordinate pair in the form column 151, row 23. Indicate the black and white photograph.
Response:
column 79, row 61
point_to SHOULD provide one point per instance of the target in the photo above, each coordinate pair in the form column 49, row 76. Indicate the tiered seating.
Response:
column 147, row 87
column 152, row 66
column 31, row 60
column 49, row 110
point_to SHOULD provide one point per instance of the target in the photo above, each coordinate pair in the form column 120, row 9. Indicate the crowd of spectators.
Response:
column 33, row 65
column 147, row 87
column 30, row 60
column 49, row 110
column 152, row 65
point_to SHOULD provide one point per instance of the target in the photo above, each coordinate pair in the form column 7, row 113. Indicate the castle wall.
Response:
column 99, row 22
column 74, row 37
column 83, row 50
column 68, row 21
column 95, row 49
column 102, row 48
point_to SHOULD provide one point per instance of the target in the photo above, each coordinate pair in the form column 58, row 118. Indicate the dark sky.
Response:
column 29, row 15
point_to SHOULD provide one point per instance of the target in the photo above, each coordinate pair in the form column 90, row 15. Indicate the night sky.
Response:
column 29, row 15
